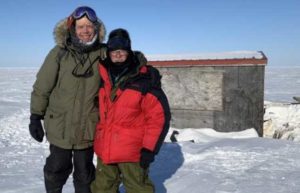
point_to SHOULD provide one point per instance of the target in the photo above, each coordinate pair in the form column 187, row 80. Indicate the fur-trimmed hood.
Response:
column 61, row 32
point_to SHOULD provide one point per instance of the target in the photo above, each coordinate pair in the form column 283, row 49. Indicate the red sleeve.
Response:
column 157, row 118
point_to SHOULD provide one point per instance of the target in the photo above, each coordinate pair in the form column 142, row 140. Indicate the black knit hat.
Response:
column 119, row 39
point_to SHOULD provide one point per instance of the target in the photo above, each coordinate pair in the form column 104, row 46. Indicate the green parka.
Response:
column 67, row 102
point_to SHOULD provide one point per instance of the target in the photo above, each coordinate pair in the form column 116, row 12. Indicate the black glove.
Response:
column 147, row 157
column 35, row 127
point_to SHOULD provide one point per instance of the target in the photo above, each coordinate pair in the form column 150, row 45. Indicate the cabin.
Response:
column 223, row 91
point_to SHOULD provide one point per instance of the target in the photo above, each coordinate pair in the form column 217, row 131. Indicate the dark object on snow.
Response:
column 35, row 127
column 173, row 138
column 147, row 157
column 297, row 99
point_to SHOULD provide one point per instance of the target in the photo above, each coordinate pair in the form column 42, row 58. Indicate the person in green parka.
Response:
column 64, row 96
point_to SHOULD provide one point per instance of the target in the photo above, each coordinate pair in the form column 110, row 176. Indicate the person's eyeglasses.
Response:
column 88, row 73
column 81, row 11
column 120, row 52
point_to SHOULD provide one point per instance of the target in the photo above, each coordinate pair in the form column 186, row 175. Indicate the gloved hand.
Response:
column 147, row 157
column 35, row 127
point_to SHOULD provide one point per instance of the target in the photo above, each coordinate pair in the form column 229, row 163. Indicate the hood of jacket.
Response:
column 61, row 32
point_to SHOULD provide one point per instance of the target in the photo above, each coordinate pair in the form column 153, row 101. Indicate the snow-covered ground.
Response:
column 282, row 83
column 282, row 121
column 202, row 161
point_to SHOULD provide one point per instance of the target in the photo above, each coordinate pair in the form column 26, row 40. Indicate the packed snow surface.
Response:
column 201, row 161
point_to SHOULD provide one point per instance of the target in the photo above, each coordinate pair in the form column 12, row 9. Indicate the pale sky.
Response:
column 160, row 27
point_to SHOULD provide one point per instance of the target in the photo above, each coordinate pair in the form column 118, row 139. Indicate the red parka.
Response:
column 133, row 115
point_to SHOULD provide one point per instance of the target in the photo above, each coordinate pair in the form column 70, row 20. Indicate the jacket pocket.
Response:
column 92, row 121
column 55, row 125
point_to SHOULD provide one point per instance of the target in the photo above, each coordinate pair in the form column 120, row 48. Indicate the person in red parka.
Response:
column 134, row 119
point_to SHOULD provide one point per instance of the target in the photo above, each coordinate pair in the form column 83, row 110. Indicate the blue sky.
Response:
column 160, row 27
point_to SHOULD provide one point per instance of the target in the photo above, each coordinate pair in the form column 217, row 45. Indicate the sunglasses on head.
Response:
column 82, row 11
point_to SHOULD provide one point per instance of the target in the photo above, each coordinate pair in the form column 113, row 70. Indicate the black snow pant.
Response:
column 59, row 166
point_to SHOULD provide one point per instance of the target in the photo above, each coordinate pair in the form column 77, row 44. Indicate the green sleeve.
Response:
column 45, row 82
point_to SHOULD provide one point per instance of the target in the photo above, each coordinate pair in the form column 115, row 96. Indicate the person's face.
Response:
column 118, row 56
column 84, row 29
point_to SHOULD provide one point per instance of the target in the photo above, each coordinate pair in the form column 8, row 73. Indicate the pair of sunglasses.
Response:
column 84, row 10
